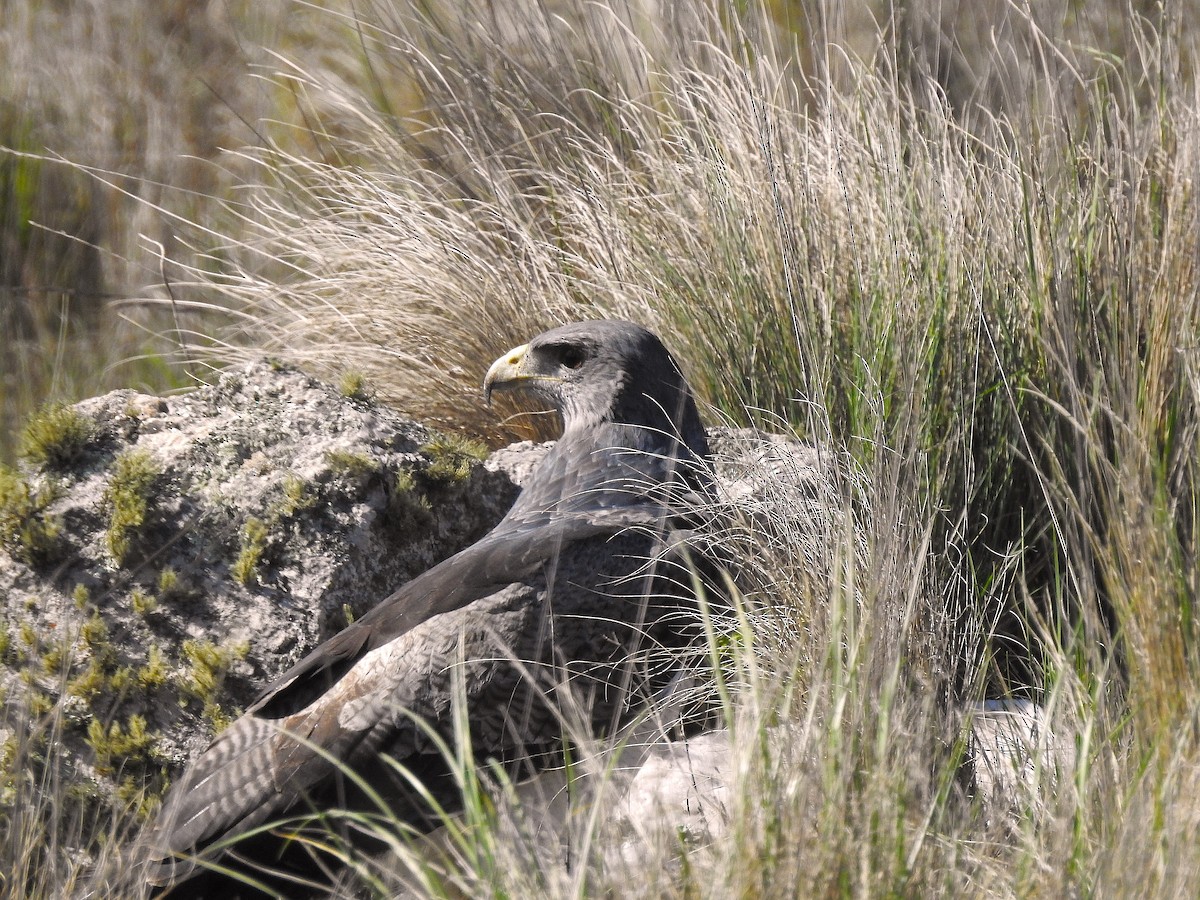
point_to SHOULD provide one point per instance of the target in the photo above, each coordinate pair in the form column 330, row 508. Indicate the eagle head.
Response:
column 598, row 372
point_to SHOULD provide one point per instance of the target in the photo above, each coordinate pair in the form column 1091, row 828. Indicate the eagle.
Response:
column 576, row 589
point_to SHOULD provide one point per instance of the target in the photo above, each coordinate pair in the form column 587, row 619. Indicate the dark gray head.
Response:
column 599, row 372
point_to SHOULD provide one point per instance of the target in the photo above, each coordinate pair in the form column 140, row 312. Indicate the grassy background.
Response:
column 116, row 123
column 956, row 243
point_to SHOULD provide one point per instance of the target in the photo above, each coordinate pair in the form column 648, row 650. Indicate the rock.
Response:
column 518, row 461
column 636, row 796
column 1014, row 758
column 771, row 477
column 207, row 541
column 680, row 791
column 654, row 792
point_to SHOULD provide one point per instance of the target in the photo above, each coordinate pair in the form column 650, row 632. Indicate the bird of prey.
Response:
column 566, row 590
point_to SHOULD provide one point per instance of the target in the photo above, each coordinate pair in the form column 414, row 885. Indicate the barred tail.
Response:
column 227, row 791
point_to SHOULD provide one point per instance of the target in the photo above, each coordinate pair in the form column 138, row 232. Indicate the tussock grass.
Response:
column 966, row 269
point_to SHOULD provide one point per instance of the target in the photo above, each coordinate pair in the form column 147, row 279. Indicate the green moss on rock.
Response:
column 27, row 530
column 154, row 673
column 295, row 497
column 408, row 507
column 207, row 665
column 451, row 458
column 127, row 498
column 143, row 604
column 118, row 743
column 56, row 436
column 353, row 386
column 90, row 683
column 253, row 543
column 351, row 466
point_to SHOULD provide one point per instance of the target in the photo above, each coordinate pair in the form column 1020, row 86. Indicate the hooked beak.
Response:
column 505, row 372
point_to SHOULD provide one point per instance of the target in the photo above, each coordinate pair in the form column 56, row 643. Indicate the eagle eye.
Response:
column 571, row 357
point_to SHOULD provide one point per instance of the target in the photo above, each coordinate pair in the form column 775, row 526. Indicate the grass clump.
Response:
column 73, row 813
column 56, row 436
column 408, row 505
column 143, row 603
column 451, row 458
column 353, row 385
column 155, row 673
column 128, row 498
column 171, row 585
column 296, row 497
column 351, row 466
column 207, row 664
column 27, row 530
column 116, row 744
column 253, row 541
column 52, row 722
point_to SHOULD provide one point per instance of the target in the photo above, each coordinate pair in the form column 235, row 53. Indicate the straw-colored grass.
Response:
column 115, row 119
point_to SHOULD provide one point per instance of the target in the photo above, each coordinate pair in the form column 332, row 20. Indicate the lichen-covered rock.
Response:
column 1015, row 760
column 197, row 545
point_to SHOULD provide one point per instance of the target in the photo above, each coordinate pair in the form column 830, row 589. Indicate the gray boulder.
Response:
column 195, row 546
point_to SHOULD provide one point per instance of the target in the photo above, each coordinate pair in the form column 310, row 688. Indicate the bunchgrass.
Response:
column 964, row 263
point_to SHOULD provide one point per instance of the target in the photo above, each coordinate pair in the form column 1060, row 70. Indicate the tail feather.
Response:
column 229, row 790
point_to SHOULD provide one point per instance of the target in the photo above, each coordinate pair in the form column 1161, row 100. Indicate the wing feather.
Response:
column 289, row 740
column 499, row 559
